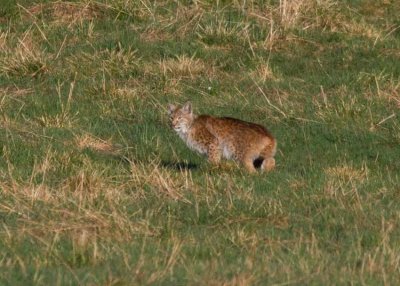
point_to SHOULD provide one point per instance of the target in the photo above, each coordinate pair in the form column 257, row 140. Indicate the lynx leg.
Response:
column 249, row 166
column 214, row 153
column 248, row 163
column 268, row 153
column 268, row 164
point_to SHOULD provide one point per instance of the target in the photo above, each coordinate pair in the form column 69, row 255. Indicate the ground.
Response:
column 96, row 189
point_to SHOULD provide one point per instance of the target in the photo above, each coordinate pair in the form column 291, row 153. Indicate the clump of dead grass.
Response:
column 222, row 30
column 184, row 22
column 384, row 86
column 307, row 13
column 65, row 117
column 66, row 13
column 22, row 56
column 187, row 20
column 143, row 9
column 173, row 87
column 86, row 185
column 60, row 120
column 263, row 72
column 184, row 66
column 71, row 208
column 100, row 145
column 110, row 61
column 155, row 34
column 274, row 21
column 125, row 92
column 121, row 58
column 345, row 179
column 161, row 181
column 15, row 91
column 347, row 173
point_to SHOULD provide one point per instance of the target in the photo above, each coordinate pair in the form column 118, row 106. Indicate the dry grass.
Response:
column 308, row 14
column 387, row 88
column 109, row 62
column 154, row 35
column 184, row 67
column 83, row 223
column 64, row 118
column 126, row 92
column 347, row 174
column 221, row 29
column 22, row 56
column 263, row 72
column 97, row 144
column 96, row 188
column 15, row 91
column 66, row 13
column 184, row 23
column 187, row 20
column 161, row 181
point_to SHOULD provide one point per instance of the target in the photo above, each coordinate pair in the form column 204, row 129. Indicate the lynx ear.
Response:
column 171, row 108
column 187, row 107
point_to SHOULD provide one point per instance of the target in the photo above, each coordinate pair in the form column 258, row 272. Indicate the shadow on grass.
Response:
column 179, row 165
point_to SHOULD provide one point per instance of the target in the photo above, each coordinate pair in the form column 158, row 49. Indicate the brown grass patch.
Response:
column 66, row 13
column 307, row 13
column 97, row 144
column 347, row 173
column 61, row 120
column 187, row 20
column 15, row 91
column 70, row 12
column 374, row 8
column 221, row 28
column 125, row 92
column 382, row 85
column 389, row 89
column 162, row 182
column 263, row 72
column 39, row 192
column 21, row 56
column 184, row 66
column 173, row 87
column 363, row 28
column 108, row 61
column 303, row 14
column 153, row 35
column 345, row 180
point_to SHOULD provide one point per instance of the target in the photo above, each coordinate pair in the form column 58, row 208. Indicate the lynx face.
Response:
column 181, row 118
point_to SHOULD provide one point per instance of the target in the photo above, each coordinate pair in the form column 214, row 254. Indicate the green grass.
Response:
column 96, row 189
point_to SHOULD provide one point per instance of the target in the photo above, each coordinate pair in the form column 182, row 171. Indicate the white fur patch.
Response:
column 226, row 152
column 196, row 146
column 183, row 134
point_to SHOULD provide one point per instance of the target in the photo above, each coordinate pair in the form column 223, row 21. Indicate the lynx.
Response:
column 250, row 144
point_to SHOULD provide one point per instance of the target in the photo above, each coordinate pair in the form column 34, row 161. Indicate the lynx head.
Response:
column 181, row 118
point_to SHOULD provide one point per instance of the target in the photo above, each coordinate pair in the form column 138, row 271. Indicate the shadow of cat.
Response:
column 179, row 166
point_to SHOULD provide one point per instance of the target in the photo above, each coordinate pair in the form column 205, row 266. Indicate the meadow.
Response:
column 96, row 189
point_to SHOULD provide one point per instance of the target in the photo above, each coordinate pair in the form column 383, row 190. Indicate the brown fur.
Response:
column 216, row 137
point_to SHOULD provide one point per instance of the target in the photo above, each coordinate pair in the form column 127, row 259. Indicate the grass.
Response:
column 96, row 189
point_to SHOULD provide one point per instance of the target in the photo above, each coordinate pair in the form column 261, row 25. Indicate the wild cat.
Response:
column 247, row 143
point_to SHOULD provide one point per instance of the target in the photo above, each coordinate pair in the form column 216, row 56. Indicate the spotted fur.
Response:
column 216, row 137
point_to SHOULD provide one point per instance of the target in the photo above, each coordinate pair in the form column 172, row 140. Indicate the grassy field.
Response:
column 96, row 189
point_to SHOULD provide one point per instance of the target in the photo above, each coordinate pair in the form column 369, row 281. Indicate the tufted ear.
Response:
column 187, row 107
column 171, row 108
